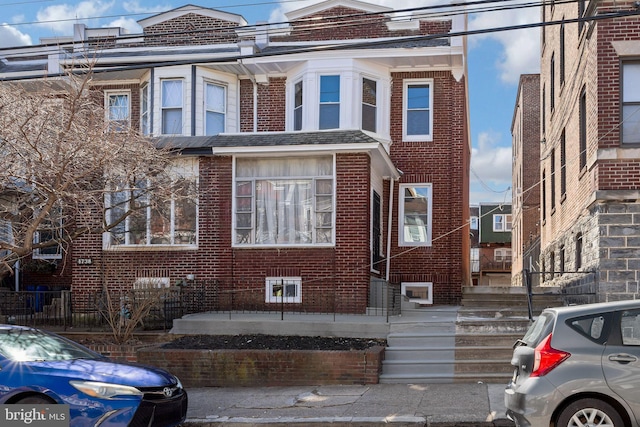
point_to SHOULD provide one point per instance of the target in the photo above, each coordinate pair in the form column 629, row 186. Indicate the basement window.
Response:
column 418, row 292
column 283, row 290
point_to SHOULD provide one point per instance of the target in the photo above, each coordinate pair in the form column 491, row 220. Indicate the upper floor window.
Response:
column 329, row 102
column 563, row 164
column 631, row 102
column 215, row 108
column 369, row 104
column 172, row 106
column 417, row 111
column 415, row 215
column 502, row 254
column 284, row 201
column 297, row 106
column 118, row 110
column 502, row 222
column 142, row 220
column 145, row 114
column 50, row 233
column 583, row 128
column 552, row 82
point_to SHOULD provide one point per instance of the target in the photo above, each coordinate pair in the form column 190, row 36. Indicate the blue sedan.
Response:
column 38, row 367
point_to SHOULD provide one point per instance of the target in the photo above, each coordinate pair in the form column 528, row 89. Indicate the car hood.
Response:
column 104, row 370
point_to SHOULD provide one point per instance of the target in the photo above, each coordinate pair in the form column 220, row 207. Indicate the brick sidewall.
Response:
column 253, row 368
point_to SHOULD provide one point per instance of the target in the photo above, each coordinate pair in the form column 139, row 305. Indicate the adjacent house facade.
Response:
column 590, row 167
column 495, row 244
column 328, row 158
column 525, row 136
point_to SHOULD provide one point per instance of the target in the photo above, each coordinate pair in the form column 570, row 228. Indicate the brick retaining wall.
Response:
column 251, row 368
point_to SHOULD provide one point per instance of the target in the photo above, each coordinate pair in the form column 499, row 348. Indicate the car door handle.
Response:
column 622, row 358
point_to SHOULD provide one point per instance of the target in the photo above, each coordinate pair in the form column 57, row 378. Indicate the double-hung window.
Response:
column 49, row 234
column 118, row 110
column 502, row 222
column 172, row 106
column 415, row 215
column 631, row 102
column 145, row 107
column 369, row 104
column 137, row 217
column 297, row 106
column 284, row 201
column 329, row 102
column 418, row 110
column 215, row 108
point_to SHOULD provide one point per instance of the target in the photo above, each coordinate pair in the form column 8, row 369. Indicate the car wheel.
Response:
column 589, row 412
column 35, row 400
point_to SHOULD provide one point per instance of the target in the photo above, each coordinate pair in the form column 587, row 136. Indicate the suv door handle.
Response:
column 622, row 358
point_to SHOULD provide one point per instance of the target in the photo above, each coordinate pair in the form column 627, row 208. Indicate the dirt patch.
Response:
column 271, row 342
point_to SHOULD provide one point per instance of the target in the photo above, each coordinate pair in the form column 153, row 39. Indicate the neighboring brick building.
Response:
column 590, row 168
column 525, row 133
column 323, row 169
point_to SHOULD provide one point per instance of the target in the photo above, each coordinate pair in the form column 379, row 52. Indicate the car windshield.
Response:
column 28, row 345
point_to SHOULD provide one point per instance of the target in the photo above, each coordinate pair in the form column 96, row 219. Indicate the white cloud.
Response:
column 60, row 18
column 491, row 163
column 9, row 36
column 520, row 48
column 136, row 7
column 131, row 25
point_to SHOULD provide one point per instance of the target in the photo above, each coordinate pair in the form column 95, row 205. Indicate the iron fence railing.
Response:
column 157, row 308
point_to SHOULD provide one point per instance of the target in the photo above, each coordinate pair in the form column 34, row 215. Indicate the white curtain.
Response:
column 284, row 192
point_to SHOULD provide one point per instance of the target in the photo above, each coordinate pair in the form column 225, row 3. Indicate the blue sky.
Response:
column 496, row 60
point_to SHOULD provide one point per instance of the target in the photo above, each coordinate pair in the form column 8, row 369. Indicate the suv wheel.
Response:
column 589, row 412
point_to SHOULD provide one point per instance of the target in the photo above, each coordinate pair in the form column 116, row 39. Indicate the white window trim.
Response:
column 505, row 228
column 146, row 87
column 428, row 285
column 151, row 283
column 235, row 244
column 401, row 241
column 185, row 165
column 502, row 254
column 37, row 253
column 107, row 118
column 205, row 110
column 182, row 106
column 270, row 282
column 340, row 102
column 378, row 100
column 405, row 88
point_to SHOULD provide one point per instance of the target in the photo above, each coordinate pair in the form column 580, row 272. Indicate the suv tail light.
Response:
column 547, row 357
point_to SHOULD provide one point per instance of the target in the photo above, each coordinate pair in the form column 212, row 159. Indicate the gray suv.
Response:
column 578, row 366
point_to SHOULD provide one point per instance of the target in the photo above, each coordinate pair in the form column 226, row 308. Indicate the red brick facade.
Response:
column 335, row 277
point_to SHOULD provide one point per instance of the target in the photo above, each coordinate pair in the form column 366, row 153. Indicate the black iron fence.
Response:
column 156, row 308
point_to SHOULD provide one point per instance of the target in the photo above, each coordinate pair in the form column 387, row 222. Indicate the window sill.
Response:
column 149, row 248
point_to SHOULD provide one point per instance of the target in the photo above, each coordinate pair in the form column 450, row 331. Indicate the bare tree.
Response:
column 59, row 161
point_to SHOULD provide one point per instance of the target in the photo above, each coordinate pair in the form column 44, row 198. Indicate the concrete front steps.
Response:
column 470, row 343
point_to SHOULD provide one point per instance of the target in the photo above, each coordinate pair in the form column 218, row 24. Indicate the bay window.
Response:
column 172, row 105
column 297, row 106
column 144, row 220
column 369, row 104
column 415, row 215
column 145, row 115
column 284, row 201
column 329, row 102
column 215, row 108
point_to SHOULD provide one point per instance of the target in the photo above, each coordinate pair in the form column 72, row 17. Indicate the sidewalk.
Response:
column 432, row 405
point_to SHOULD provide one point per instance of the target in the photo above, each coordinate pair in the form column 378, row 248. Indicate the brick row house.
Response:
column 525, row 136
column 590, row 157
column 327, row 157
